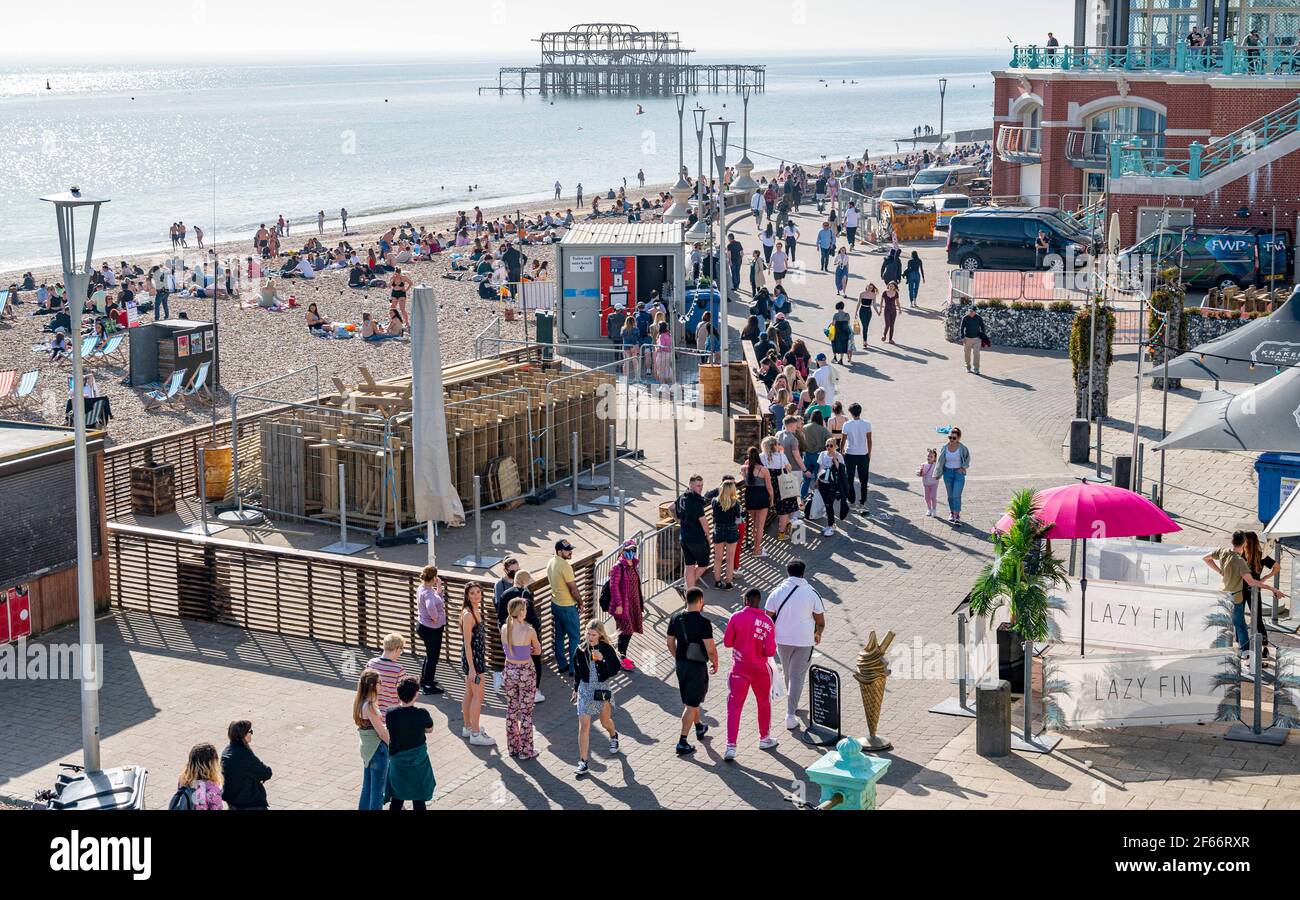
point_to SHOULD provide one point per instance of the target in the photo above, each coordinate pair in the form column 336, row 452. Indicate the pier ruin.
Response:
column 605, row 58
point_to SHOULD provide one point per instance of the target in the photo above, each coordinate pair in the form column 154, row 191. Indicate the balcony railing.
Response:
column 1089, row 148
column 1228, row 58
column 1019, row 144
column 1198, row 160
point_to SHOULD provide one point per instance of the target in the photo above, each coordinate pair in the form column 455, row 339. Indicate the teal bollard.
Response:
column 849, row 775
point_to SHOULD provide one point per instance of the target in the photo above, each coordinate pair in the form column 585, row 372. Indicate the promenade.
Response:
column 172, row 683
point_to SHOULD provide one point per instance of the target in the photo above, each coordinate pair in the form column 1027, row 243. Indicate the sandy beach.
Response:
column 256, row 344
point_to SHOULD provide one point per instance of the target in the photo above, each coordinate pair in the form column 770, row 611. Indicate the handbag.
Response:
column 857, row 327
column 788, row 484
column 695, row 651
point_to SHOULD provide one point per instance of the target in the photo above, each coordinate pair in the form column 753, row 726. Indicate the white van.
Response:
column 943, row 179
column 946, row 206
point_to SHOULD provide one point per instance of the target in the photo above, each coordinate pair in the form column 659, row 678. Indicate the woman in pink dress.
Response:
column 664, row 355
column 625, row 603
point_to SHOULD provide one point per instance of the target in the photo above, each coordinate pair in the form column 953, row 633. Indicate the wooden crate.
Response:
column 153, row 489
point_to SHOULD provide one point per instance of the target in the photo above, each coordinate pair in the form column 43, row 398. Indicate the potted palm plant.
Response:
column 1022, row 574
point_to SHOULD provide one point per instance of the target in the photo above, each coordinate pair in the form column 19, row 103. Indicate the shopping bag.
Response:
column 788, row 484
column 816, row 505
column 778, row 682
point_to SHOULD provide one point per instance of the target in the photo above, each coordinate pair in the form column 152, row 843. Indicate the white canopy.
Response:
column 1287, row 521
column 436, row 499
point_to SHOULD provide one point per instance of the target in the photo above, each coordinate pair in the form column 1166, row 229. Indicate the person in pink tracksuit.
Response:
column 751, row 635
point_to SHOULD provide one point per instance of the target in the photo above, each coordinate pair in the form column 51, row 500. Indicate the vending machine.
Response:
column 617, row 288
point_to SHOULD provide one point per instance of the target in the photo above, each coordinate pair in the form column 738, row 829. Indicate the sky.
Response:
column 214, row 31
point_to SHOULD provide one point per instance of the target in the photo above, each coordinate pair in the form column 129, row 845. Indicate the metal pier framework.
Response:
column 605, row 58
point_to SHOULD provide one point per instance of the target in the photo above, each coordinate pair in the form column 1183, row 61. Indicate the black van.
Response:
column 1225, row 256
column 1005, row 238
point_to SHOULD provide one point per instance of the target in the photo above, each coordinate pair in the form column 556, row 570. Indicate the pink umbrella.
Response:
column 1092, row 510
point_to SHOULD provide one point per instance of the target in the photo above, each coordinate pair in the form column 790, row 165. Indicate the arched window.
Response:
column 1126, row 122
column 1033, row 120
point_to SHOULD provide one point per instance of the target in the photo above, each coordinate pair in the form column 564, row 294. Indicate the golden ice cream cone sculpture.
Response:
column 871, row 675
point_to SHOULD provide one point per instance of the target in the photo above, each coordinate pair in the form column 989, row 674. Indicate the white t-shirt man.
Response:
column 851, row 217
column 855, row 437
column 797, row 602
column 825, row 378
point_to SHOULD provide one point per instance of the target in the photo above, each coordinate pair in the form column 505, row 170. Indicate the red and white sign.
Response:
column 15, row 614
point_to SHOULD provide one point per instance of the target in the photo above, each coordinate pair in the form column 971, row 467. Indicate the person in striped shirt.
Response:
column 390, row 670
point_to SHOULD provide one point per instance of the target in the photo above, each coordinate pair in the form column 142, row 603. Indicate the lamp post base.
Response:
column 1272, row 735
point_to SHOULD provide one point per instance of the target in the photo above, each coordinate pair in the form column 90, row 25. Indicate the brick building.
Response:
column 1168, row 129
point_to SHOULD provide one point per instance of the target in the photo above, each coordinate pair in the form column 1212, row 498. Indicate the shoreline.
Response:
column 439, row 217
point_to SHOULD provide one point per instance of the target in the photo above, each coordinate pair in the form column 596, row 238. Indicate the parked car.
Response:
column 898, row 195
column 1218, row 257
column 943, row 179
column 946, row 206
column 1005, row 238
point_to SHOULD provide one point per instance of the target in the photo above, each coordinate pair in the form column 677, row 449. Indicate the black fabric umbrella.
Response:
column 1250, row 354
column 1264, row 417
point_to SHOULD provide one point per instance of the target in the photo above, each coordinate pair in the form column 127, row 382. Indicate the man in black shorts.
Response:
column 694, row 531
column 690, row 641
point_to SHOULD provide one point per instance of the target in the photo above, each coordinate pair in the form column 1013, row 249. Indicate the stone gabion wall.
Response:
column 1047, row 329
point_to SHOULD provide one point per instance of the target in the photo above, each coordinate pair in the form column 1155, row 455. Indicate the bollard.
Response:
column 850, row 774
column 612, row 499
column 1122, row 471
column 574, row 508
column 1079, row 436
column 478, row 560
column 343, row 545
column 993, row 718
column 622, row 517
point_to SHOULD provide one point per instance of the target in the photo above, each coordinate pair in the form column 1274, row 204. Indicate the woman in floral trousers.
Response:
column 519, row 642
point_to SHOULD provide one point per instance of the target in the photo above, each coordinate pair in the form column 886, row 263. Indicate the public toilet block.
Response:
column 605, row 269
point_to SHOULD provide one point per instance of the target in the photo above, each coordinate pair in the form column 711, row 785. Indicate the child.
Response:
column 930, row 474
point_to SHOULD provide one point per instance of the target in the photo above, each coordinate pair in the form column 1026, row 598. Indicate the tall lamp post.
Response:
column 700, row 230
column 76, row 279
column 943, row 89
column 679, row 211
column 744, row 180
column 718, row 131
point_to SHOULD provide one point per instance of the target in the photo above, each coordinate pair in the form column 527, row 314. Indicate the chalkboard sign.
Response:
column 824, row 700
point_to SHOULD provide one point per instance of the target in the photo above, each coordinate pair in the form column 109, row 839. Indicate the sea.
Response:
column 230, row 146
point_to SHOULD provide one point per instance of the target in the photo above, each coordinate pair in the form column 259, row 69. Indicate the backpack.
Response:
column 604, row 598
column 183, row 799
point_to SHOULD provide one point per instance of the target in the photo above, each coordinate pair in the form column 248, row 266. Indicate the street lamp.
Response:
column 943, row 89
column 679, row 211
column 700, row 230
column 76, row 280
column 744, row 168
column 719, row 131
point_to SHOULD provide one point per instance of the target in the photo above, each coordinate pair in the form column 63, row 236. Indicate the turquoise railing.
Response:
column 1226, row 59
column 1198, row 160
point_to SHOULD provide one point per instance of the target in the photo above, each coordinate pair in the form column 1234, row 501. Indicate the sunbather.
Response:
column 316, row 323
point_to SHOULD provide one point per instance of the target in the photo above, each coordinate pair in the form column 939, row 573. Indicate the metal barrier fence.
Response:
column 301, row 593
column 491, row 331
column 1040, row 286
